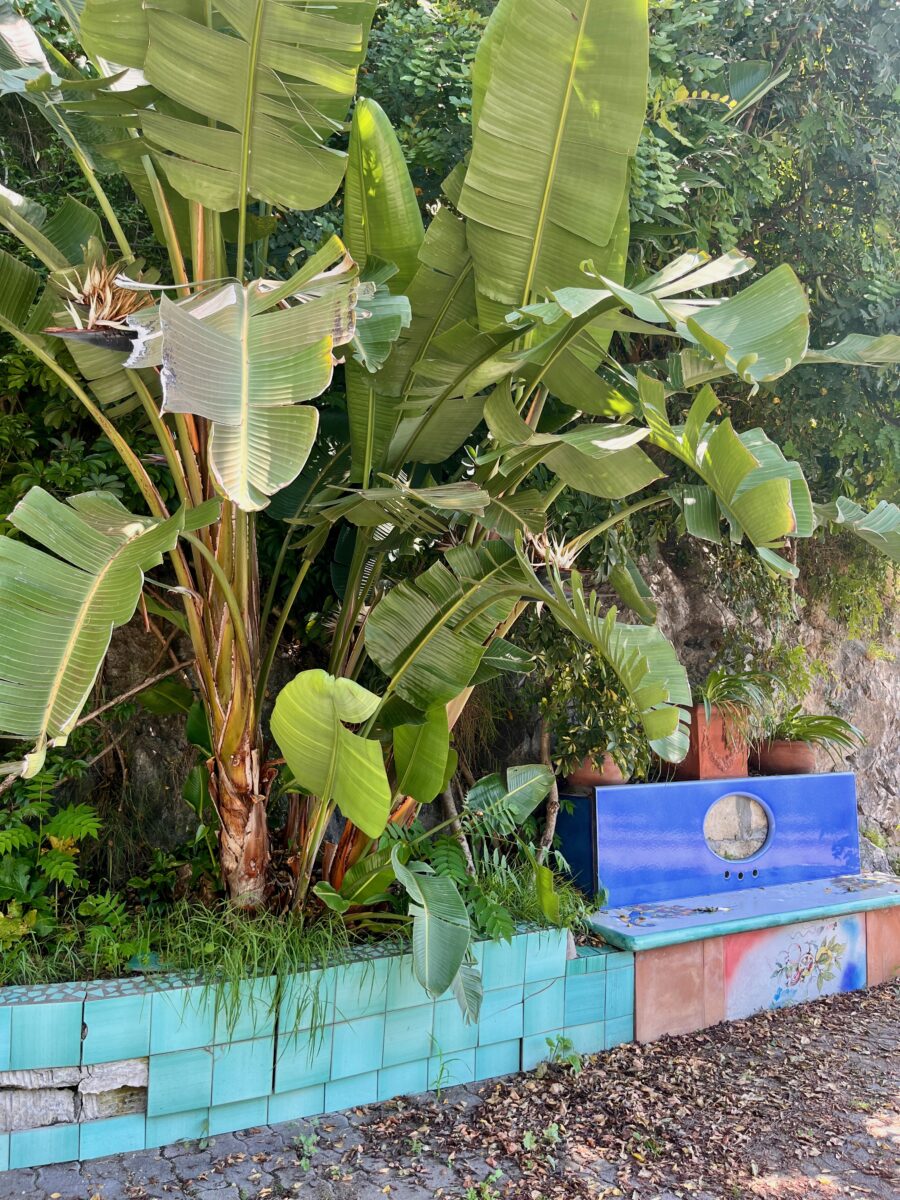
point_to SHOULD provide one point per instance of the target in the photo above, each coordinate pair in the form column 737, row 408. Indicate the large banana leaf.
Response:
column 381, row 212
column 261, row 89
column 880, row 527
column 746, row 479
column 561, row 94
column 309, row 723
column 61, row 604
column 420, row 756
column 428, row 634
column 441, row 930
column 248, row 372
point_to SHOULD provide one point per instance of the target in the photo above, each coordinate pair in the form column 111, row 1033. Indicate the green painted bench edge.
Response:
column 698, row 933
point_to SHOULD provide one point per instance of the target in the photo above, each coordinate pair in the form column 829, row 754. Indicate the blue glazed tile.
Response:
column 307, row 1000
column 177, row 1127
column 5, row 1034
column 590, row 960
column 618, row 1031
column 242, row 1070
column 227, row 1118
column 589, row 1038
column 361, row 989
column 45, row 1035
column 501, row 1015
column 451, row 1030
column 351, row 1092
column 544, row 1005
column 358, row 1047
column 403, row 989
column 585, row 999
column 619, row 993
column 291, row 1106
column 618, row 958
column 407, row 1034
column 303, row 1058
column 117, row 1135
column 4, row 1151
column 39, row 1147
column 247, row 1013
column 501, row 1058
column 546, row 954
column 535, row 1049
column 502, row 963
column 450, row 1070
column 179, row 1082
column 116, row 1028
column 403, row 1080
column 576, row 966
column 182, row 1019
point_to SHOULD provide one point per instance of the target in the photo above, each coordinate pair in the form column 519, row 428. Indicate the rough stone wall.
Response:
column 863, row 686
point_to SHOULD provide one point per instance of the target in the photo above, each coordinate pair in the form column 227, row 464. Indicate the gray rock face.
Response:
column 64, row 1095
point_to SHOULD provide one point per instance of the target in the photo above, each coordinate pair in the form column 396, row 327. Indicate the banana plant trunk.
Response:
column 239, row 789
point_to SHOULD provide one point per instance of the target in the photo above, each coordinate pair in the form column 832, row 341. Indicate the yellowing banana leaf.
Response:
column 61, row 603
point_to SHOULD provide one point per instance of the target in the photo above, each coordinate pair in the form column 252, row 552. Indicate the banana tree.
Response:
column 477, row 367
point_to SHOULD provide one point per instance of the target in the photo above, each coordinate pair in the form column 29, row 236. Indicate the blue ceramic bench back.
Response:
column 646, row 842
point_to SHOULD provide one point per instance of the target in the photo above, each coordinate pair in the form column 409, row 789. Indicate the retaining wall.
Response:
column 101, row 1068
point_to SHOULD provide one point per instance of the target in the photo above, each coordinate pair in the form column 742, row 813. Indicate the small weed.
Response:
column 305, row 1144
column 563, row 1053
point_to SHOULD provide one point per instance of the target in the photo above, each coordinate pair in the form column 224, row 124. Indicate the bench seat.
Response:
column 645, row 926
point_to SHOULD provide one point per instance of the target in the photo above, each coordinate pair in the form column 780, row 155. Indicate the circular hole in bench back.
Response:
column 736, row 827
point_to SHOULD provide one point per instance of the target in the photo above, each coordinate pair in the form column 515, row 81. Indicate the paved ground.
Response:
column 802, row 1104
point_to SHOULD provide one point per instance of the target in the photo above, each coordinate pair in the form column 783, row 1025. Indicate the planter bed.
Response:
column 98, row 1068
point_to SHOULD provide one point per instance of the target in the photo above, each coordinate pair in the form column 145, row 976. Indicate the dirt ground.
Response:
column 800, row 1104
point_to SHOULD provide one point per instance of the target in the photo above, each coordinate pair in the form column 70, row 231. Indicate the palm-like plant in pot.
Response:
column 422, row 491
column 732, row 704
column 789, row 740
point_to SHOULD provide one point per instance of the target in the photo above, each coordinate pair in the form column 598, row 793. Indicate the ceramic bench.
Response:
column 724, row 923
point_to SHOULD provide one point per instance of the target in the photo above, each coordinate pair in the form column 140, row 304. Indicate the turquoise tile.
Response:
column 116, row 1028
column 303, row 1058
column 45, row 1035
column 546, row 954
column 117, row 1135
column 242, row 1070
column 40, row 1147
column 351, row 1092
column 576, row 966
column 589, row 1038
column 307, row 1000
column 404, row 1080
column 361, row 989
column 503, row 963
column 501, row 1058
column 501, row 1015
column 244, row 1114
column 585, row 999
column 590, row 960
column 403, row 989
column 617, row 958
column 5, row 1031
column 619, row 993
column 179, row 1082
column 182, row 1019
column 4, row 1151
column 535, row 1049
column 177, row 1127
column 358, row 1047
column 407, row 1034
column 451, row 1070
column 618, row 1031
column 544, row 1004
column 247, row 1011
column 451, row 1030
column 291, row 1106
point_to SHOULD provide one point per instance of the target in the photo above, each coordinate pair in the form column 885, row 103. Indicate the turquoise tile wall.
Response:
column 336, row 1037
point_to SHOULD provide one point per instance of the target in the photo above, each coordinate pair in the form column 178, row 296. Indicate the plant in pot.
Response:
column 789, row 742
column 730, row 705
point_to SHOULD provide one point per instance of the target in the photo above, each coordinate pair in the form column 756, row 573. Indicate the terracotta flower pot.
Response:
column 587, row 775
column 779, row 757
column 717, row 750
